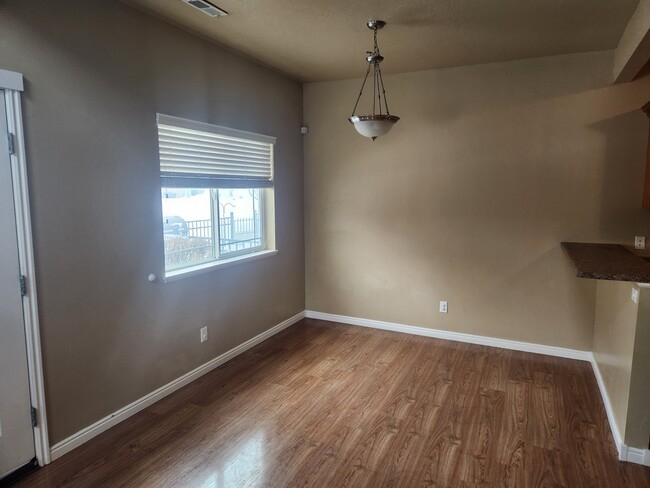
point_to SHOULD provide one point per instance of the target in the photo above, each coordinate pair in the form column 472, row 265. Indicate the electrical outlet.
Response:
column 204, row 333
column 443, row 306
column 639, row 242
column 635, row 295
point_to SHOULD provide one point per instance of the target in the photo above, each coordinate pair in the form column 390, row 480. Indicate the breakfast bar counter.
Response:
column 607, row 262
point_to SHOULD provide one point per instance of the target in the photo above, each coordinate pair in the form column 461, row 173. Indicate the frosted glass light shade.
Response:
column 373, row 126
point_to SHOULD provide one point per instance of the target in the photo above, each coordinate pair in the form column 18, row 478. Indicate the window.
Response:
column 217, row 194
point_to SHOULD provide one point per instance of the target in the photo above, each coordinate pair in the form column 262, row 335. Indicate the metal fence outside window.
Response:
column 192, row 240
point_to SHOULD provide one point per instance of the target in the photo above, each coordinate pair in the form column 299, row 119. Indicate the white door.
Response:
column 16, row 431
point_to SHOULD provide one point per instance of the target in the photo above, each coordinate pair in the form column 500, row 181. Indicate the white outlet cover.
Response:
column 443, row 306
column 204, row 334
column 635, row 295
column 639, row 242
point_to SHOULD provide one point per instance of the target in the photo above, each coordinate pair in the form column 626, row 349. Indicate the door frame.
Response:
column 12, row 84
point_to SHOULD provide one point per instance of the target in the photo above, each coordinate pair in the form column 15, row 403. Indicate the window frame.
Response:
column 266, row 203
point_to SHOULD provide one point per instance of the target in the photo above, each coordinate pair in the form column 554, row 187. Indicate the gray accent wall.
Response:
column 96, row 73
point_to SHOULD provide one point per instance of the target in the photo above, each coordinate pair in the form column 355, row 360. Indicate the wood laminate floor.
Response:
column 330, row 405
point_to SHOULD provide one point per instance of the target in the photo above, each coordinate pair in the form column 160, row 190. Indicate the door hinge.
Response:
column 11, row 143
column 33, row 414
column 23, row 285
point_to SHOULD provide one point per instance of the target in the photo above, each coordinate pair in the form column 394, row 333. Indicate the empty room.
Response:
column 319, row 243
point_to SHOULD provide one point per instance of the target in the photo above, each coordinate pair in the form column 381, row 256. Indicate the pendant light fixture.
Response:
column 376, row 124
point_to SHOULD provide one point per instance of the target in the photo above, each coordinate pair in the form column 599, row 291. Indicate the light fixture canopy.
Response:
column 375, row 124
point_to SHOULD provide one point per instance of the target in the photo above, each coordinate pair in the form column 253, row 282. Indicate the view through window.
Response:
column 202, row 225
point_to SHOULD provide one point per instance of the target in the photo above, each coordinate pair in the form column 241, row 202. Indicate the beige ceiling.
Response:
column 317, row 40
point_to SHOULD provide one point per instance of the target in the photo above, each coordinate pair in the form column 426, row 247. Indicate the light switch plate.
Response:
column 635, row 295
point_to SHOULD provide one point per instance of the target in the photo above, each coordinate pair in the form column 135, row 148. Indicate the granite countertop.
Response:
column 607, row 262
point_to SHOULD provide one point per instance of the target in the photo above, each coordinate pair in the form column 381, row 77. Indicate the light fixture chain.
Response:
column 361, row 91
column 381, row 81
column 374, row 87
column 377, row 73
column 376, row 96
column 376, row 45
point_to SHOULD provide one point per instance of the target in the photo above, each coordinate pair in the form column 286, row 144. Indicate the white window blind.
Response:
column 196, row 154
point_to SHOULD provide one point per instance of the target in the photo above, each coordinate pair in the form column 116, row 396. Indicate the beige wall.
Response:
column 470, row 195
column 622, row 351
column 614, row 331
column 96, row 74
column 637, row 433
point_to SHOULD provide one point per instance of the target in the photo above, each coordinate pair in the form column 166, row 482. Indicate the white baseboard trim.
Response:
column 455, row 336
column 625, row 453
column 84, row 435
column 634, row 455
column 618, row 439
column 630, row 454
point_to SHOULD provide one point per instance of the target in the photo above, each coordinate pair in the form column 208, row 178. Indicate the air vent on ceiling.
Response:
column 206, row 7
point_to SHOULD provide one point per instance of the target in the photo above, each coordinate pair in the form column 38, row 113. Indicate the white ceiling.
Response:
column 318, row 40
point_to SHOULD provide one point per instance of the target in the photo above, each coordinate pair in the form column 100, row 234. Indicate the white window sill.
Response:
column 212, row 265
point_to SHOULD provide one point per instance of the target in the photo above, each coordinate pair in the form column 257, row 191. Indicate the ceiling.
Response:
column 318, row 40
